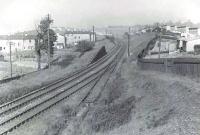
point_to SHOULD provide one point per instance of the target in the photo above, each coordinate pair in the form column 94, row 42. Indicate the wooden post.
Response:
column 90, row 37
column 168, row 48
column 159, row 45
column 65, row 41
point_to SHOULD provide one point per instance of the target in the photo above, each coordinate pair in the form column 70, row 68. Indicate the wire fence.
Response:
column 181, row 66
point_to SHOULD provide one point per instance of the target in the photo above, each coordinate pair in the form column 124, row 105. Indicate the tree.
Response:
column 41, row 42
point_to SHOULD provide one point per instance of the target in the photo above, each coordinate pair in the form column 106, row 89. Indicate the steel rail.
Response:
column 58, row 81
column 42, row 94
column 74, row 85
column 26, row 120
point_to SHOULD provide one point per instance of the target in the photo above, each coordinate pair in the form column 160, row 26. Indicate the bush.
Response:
column 109, row 117
column 111, row 38
column 84, row 46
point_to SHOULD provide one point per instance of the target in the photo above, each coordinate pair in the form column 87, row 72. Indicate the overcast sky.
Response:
column 19, row 15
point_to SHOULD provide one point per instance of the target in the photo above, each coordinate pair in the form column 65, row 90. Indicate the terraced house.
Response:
column 194, row 31
column 18, row 43
column 73, row 37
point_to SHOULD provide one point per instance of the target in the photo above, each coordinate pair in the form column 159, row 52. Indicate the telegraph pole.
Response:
column 48, row 36
column 94, row 37
column 159, row 45
column 10, row 59
column 129, row 31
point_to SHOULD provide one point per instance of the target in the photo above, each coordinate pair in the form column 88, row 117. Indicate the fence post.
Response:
column 166, row 63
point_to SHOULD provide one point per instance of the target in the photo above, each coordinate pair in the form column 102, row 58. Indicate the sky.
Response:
column 20, row 15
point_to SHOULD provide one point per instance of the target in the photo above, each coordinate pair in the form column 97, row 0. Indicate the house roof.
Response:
column 169, row 37
column 194, row 28
column 78, row 32
column 17, row 37
column 189, row 39
column 3, row 37
column 21, row 37
column 182, row 27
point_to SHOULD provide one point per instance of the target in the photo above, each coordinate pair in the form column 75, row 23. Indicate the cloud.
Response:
column 18, row 15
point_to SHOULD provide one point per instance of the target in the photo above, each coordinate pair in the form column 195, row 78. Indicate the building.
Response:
column 18, row 43
column 167, row 27
column 184, row 30
column 61, row 41
column 173, row 28
column 194, row 31
column 168, row 44
column 188, row 44
column 73, row 37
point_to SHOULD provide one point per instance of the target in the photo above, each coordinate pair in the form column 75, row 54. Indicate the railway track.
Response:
column 42, row 92
column 28, row 107
column 58, row 81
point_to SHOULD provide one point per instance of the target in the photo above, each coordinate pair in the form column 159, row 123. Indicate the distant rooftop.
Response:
column 194, row 28
column 182, row 27
column 17, row 37
column 172, row 37
column 78, row 32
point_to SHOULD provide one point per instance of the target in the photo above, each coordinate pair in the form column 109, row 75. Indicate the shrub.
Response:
column 110, row 117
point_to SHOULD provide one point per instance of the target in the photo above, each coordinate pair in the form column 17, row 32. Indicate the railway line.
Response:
column 21, row 110
column 8, row 107
column 56, row 82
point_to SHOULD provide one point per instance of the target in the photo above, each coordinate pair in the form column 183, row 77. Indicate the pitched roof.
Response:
column 194, row 28
column 17, row 37
column 169, row 37
column 78, row 32
column 182, row 27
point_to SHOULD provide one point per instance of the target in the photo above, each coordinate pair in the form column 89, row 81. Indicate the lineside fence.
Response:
column 180, row 66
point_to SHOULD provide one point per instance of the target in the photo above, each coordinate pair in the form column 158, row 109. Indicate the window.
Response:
column 30, row 47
